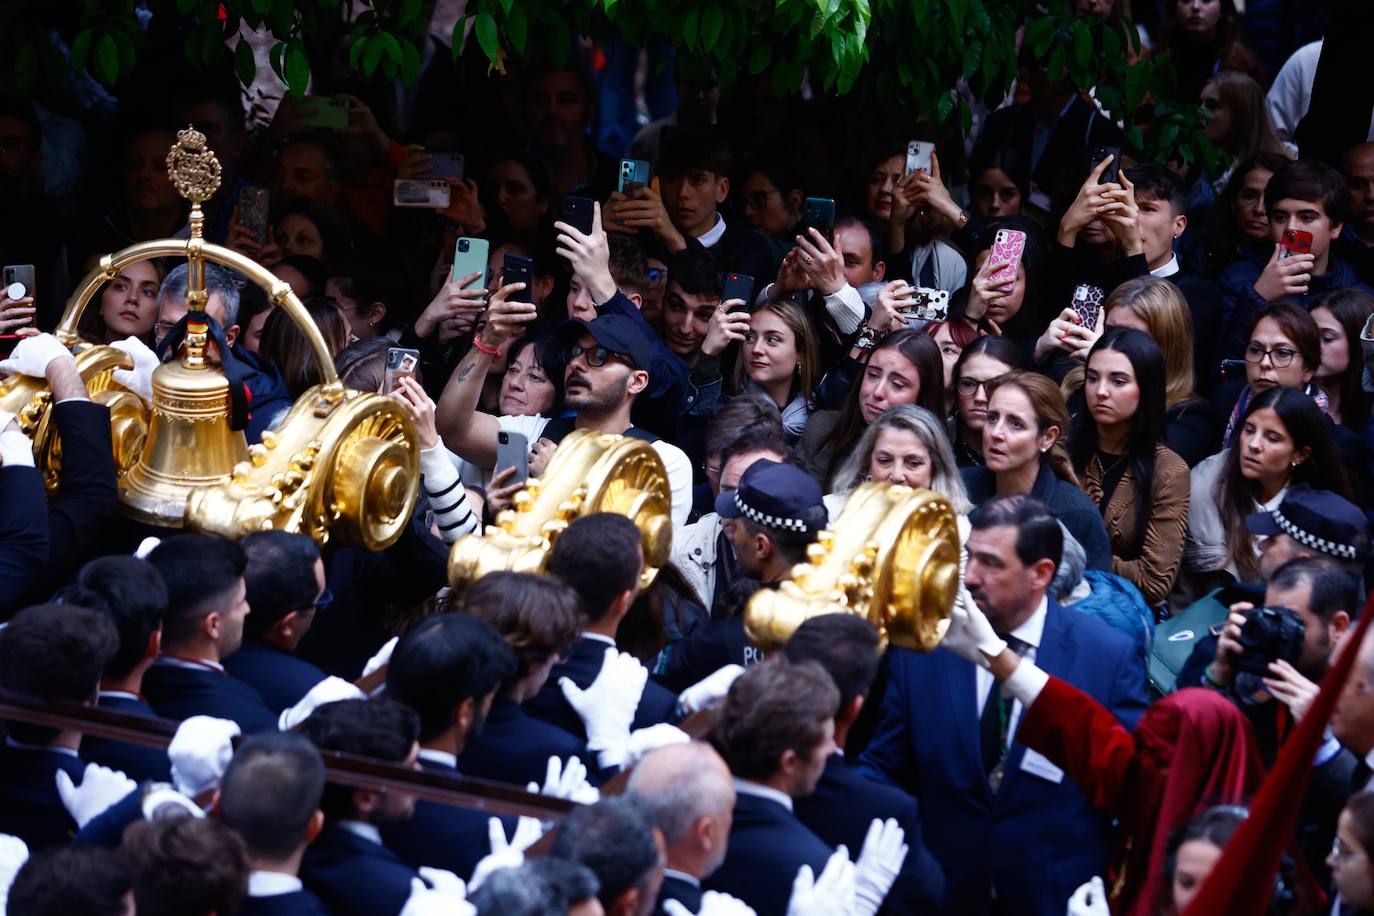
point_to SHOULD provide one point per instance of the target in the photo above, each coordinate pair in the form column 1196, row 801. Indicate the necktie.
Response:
column 994, row 725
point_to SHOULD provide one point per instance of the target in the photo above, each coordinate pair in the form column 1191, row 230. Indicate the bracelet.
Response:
column 962, row 221
column 482, row 348
column 1212, row 678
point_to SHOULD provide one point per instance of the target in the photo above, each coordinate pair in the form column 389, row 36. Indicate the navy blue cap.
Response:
column 775, row 495
column 620, row 333
column 1319, row 519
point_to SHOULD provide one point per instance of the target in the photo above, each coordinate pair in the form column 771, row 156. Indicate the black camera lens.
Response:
column 1270, row 634
column 463, row 244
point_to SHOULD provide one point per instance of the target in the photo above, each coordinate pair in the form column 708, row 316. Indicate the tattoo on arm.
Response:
column 465, row 370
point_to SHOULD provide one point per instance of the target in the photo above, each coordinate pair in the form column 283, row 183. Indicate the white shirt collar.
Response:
column 198, row 664
column 745, row 787
column 682, row 876
column 1168, row 269
column 712, row 235
column 599, row 637
column 1032, row 629
column 363, row 829
column 10, row 742
column 118, row 694
column 272, row 884
column 443, row 757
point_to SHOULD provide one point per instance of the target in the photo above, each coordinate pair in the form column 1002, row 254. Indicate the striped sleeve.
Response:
column 447, row 497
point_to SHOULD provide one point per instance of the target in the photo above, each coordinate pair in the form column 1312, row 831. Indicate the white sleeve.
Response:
column 531, row 427
column 1291, row 91
column 846, row 308
column 447, row 497
column 679, row 469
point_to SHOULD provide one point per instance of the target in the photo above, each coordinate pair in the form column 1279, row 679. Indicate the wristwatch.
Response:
column 867, row 339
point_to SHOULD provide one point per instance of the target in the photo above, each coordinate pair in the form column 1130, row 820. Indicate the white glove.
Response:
column 161, row 801
column 100, row 788
column 14, row 852
column 879, row 862
column 832, row 894
column 139, row 379
column 607, row 707
column 1089, row 900
column 383, row 656
column 505, row 853
column 425, row 901
column 32, row 355
column 16, row 449
column 710, row 691
column 200, row 753
column 567, row 781
column 970, row 636
column 713, row 903
column 644, row 740
column 147, row 546
column 330, row 690
column 444, row 882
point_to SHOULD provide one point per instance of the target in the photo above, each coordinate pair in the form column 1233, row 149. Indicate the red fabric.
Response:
column 1243, row 879
column 1190, row 750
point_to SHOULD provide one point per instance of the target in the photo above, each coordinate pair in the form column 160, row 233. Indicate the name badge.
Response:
column 1039, row 765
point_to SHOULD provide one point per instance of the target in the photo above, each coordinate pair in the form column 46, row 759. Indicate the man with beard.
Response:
column 607, row 360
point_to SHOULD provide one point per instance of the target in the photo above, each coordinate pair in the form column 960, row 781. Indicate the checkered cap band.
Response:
column 769, row 521
column 1344, row 551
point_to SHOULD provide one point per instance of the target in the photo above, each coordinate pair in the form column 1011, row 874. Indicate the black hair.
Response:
column 1308, row 179
column 626, row 264
column 756, row 439
column 186, row 865
column 317, row 138
column 791, row 545
column 573, row 880
column 217, row 89
column 685, row 150
column 271, row 790
column 597, row 555
column 697, row 271
column 551, row 358
column 998, row 348
column 373, row 278
column 1333, row 588
column 54, row 652
column 782, row 174
column 1351, row 308
column 1004, row 159
column 380, row 728
column 68, row 880
column 443, row 661
column 773, row 708
column 1147, row 424
column 131, row 593
column 280, row 577
column 845, row 645
column 1038, row 535
column 613, row 838
column 1158, row 183
column 876, row 241
column 315, row 272
column 1215, row 825
column 22, row 110
column 199, row 569
column 742, row 414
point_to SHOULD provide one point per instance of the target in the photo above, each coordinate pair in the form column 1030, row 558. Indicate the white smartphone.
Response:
column 918, row 156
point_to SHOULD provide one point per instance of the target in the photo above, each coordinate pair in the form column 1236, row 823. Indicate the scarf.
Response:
column 794, row 415
column 1243, row 402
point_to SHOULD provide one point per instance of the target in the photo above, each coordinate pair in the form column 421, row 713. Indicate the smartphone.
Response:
column 1113, row 172
column 1087, row 303
column 634, row 174
column 446, row 165
column 429, row 194
column 513, row 451
column 739, row 286
column 24, row 275
column 918, row 156
column 1232, row 368
column 931, row 304
column 322, row 111
column 400, row 363
column 253, row 207
column 1295, row 242
column 818, row 213
column 577, row 212
column 1007, row 245
column 470, row 256
column 517, row 268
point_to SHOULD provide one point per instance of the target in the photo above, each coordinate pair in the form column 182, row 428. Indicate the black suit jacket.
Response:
column 1063, row 164
column 687, row 893
column 515, row 747
column 296, row 903
column 442, row 836
column 767, row 847
column 583, row 664
column 840, row 811
column 136, row 761
column 280, row 677
column 179, row 693
column 353, row 875
column 23, row 534
column 30, row 807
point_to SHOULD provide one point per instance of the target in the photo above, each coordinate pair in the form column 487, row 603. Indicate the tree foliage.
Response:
column 906, row 57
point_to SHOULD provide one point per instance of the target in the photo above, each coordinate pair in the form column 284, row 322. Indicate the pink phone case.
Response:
column 1007, row 246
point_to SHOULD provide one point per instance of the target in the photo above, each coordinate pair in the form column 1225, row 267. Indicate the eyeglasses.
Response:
column 658, row 275
column 323, row 602
column 1341, row 852
column 968, row 387
column 1281, row 357
column 597, row 356
column 162, row 328
column 709, row 470
column 758, row 199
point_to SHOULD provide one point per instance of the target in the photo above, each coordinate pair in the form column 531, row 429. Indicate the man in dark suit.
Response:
column 1014, row 831
column 600, row 557
column 446, row 669
column 50, row 652
column 23, row 525
column 131, row 593
column 846, row 801
column 285, row 587
column 625, row 852
column 270, row 796
column 687, row 792
column 206, row 607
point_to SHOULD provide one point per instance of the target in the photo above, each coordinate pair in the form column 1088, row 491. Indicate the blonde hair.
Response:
column 1050, row 410
column 924, row 425
column 808, row 350
column 1251, row 130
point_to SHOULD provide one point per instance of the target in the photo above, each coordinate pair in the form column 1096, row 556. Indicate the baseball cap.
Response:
column 775, row 495
column 1319, row 519
column 619, row 333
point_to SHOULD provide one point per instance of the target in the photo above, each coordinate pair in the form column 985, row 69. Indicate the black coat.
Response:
column 687, row 893
column 280, row 677
column 442, row 836
column 354, row 876
column 30, row 807
column 768, row 845
column 179, row 693
column 23, row 534
column 583, row 664
column 515, row 747
column 137, row 761
column 296, row 903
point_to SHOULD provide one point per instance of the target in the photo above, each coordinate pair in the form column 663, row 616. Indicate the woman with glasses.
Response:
column 780, row 360
column 981, row 361
column 772, row 197
column 1283, row 349
column 1352, row 875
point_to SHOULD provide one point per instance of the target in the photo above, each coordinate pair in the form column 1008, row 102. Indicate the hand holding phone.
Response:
column 634, row 174
column 400, row 363
column 253, row 209
column 1294, row 243
column 1112, row 173
column 470, row 257
column 918, row 156
column 818, row 213
column 1087, row 304
column 578, row 213
column 1008, row 246
column 738, row 286
column 517, row 268
column 513, row 451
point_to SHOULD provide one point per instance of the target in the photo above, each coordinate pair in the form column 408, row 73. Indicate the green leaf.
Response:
column 274, row 58
column 107, row 59
column 262, row 7
column 506, row 6
column 1082, row 45
column 392, row 46
column 81, row 48
column 486, row 35
column 560, row 44
column 517, row 28
column 297, row 67
column 244, row 64
column 1135, row 87
column 760, row 58
column 410, row 10
column 184, row 7
column 1111, row 46
column 710, row 26
column 410, row 62
column 356, row 45
column 944, row 106
column 689, row 27
column 373, row 55
column 1056, row 64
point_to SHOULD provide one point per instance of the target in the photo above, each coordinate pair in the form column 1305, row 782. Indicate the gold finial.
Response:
column 193, row 168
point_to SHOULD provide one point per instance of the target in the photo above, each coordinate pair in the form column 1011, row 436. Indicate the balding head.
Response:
column 687, row 791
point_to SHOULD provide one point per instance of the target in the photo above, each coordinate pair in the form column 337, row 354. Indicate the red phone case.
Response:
column 1008, row 246
column 1296, row 241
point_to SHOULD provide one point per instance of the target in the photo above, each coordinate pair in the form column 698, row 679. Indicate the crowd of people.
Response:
column 1141, row 388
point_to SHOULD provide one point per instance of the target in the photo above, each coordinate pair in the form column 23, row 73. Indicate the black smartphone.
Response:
column 23, row 274
column 739, row 286
column 517, row 268
column 818, row 213
column 1113, row 172
column 577, row 212
column 254, row 204
column 1233, row 368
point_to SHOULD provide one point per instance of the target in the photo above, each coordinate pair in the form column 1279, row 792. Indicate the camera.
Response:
column 464, row 245
column 1270, row 634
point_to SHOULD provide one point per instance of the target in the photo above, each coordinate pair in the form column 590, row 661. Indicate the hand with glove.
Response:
column 830, row 894
column 970, row 635
column 426, row 901
column 607, row 706
column 330, row 690
column 100, row 788
column 879, row 862
column 1089, row 900
column 383, row 657
column 644, row 740
column 710, row 691
column 200, row 753
column 14, row 852
column 505, row 853
column 139, row 379
column 16, row 449
column 162, row 802
column 567, row 780
column 33, row 355
column 713, row 903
